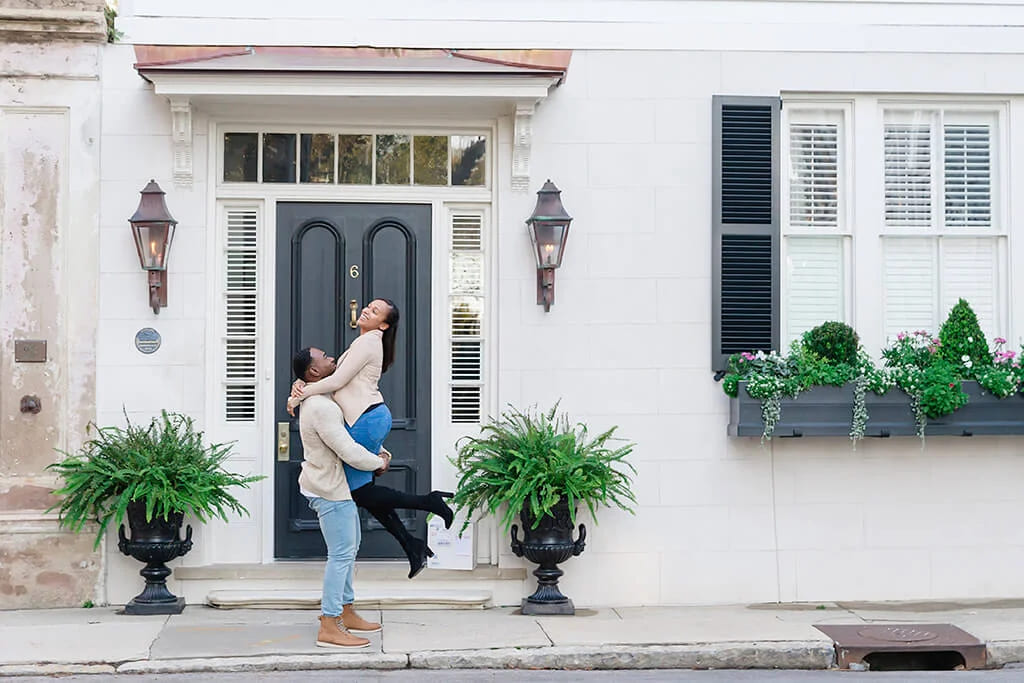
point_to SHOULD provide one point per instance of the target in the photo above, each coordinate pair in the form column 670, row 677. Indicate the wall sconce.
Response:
column 153, row 229
column 549, row 229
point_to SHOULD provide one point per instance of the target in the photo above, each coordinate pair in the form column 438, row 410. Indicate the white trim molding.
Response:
column 522, row 138
column 181, row 139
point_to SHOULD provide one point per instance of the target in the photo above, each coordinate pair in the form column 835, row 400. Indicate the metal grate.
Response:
column 746, row 309
column 746, row 164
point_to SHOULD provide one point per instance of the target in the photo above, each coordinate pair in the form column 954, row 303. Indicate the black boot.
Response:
column 417, row 552
column 440, row 508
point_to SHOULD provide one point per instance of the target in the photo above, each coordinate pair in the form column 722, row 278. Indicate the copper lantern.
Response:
column 549, row 230
column 153, row 230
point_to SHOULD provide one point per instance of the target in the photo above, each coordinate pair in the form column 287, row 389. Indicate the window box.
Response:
column 827, row 411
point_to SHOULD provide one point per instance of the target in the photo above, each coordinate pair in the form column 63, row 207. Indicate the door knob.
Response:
column 283, row 441
column 352, row 315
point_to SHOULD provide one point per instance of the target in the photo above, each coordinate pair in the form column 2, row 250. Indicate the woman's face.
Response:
column 373, row 316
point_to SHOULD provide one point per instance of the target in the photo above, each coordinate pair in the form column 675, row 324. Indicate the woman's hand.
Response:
column 297, row 387
column 387, row 463
column 292, row 404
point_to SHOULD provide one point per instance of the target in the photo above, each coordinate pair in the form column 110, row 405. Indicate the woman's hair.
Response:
column 389, row 334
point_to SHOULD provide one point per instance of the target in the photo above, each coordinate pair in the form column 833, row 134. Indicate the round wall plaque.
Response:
column 147, row 340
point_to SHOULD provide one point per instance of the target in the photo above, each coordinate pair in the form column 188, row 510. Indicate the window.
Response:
column 466, row 307
column 875, row 212
column 815, row 227
column 354, row 159
column 239, row 252
column 942, row 236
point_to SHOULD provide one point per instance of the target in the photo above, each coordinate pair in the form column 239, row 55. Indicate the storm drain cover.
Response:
column 854, row 642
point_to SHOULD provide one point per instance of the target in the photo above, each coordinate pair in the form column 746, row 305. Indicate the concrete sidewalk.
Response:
column 100, row 640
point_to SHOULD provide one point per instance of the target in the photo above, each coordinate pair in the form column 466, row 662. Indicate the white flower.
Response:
column 965, row 358
column 968, row 364
column 970, row 339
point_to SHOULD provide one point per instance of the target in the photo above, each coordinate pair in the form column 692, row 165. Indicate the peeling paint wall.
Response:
column 49, row 208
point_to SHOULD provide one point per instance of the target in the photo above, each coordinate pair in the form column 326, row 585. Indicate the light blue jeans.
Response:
column 339, row 523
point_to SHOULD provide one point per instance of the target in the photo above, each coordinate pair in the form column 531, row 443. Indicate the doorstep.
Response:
column 382, row 582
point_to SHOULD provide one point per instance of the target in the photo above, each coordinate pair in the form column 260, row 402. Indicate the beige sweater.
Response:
column 325, row 443
column 354, row 382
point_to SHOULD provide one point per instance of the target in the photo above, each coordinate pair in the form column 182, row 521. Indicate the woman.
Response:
column 354, row 385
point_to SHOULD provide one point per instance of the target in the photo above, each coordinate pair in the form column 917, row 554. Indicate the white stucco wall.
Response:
column 628, row 140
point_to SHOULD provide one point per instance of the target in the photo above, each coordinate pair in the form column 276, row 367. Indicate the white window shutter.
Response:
column 815, row 283
column 970, row 270
column 968, row 176
column 814, row 175
column 466, row 308
column 911, row 284
column 241, row 227
column 908, row 175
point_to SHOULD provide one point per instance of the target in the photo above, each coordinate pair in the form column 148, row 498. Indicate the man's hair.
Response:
column 301, row 362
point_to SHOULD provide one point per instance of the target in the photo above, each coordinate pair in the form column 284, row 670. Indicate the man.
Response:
column 325, row 444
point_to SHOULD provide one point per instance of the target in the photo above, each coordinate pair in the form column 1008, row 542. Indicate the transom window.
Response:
column 369, row 158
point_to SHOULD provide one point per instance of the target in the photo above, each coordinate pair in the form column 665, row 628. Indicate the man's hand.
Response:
column 387, row 463
column 297, row 386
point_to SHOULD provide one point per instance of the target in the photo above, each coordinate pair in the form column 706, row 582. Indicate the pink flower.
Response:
column 999, row 340
column 901, row 336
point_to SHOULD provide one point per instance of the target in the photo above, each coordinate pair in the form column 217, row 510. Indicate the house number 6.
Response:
column 353, row 272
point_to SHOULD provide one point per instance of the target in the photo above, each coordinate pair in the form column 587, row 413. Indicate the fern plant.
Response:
column 165, row 465
column 536, row 459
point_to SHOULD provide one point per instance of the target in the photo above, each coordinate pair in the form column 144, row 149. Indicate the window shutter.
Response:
column 911, row 285
column 814, row 184
column 814, row 283
column 968, row 174
column 908, row 175
column 970, row 270
column 466, row 282
column 240, row 259
column 745, row 226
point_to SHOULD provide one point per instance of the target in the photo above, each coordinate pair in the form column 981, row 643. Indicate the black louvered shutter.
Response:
column 745, row 226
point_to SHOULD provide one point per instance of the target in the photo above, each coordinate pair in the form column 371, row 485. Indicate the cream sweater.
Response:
column 325, row 443
column 354, row 382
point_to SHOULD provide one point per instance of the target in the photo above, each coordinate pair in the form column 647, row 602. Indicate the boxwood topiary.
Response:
column 834, row 342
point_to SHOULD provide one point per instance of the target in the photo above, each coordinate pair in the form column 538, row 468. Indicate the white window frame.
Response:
column 818, row 111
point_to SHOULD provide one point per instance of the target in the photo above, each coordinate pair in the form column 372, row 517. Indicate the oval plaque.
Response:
column 147, row 340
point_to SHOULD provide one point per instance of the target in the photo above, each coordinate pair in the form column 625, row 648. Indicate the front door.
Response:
column 332, row 259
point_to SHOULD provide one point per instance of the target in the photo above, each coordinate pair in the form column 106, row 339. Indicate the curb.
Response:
column 54, row 669
column 783, row 655
column 377, row 661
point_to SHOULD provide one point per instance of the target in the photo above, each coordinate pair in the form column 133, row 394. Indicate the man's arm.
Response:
column 330, row 427
column 359, row 354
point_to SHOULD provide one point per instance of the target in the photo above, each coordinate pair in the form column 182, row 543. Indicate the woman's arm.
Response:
column 359, row 354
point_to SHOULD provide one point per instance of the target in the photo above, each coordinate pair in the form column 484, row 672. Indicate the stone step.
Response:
column 392, row 598
column 379, row 582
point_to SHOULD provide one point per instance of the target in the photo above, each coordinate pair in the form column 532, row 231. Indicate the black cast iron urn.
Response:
column 548, row 545
column 154, row 542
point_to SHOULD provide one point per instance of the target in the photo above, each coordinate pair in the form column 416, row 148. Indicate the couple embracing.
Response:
column 343, row 422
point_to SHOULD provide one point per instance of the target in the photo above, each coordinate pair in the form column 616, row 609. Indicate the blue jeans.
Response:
column 339, row 523
column 369, row 431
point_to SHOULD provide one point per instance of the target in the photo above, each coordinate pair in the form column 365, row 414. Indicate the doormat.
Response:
column 856, row 642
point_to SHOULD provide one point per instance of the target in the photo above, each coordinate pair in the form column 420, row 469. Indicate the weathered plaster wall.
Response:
column 49, row 163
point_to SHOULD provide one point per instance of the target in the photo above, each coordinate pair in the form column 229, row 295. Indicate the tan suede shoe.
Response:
column 355, row 623
column 332, row 634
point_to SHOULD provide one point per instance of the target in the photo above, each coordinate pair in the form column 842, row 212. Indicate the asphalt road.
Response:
column 485, row 676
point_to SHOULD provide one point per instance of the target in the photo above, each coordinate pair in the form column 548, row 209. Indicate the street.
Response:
column 506, row 676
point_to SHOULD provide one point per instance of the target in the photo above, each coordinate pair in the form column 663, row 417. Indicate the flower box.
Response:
column 828, row 411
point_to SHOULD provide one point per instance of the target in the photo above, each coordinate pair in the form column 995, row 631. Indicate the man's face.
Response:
column 322, row 365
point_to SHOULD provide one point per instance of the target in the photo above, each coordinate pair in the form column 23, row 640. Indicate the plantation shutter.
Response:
column 815, row 282
column 911, row 285
column 968, row 176
column 970, row 270
column 908, row 175
column 466, row 306
column 745, row 226
column 239, row 310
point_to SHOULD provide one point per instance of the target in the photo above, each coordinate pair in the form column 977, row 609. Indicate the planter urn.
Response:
column 154, row 542
column 549, row 544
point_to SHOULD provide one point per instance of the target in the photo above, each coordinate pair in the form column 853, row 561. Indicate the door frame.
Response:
column 266, row 196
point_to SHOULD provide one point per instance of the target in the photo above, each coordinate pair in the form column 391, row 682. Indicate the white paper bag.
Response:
column 450, row 551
